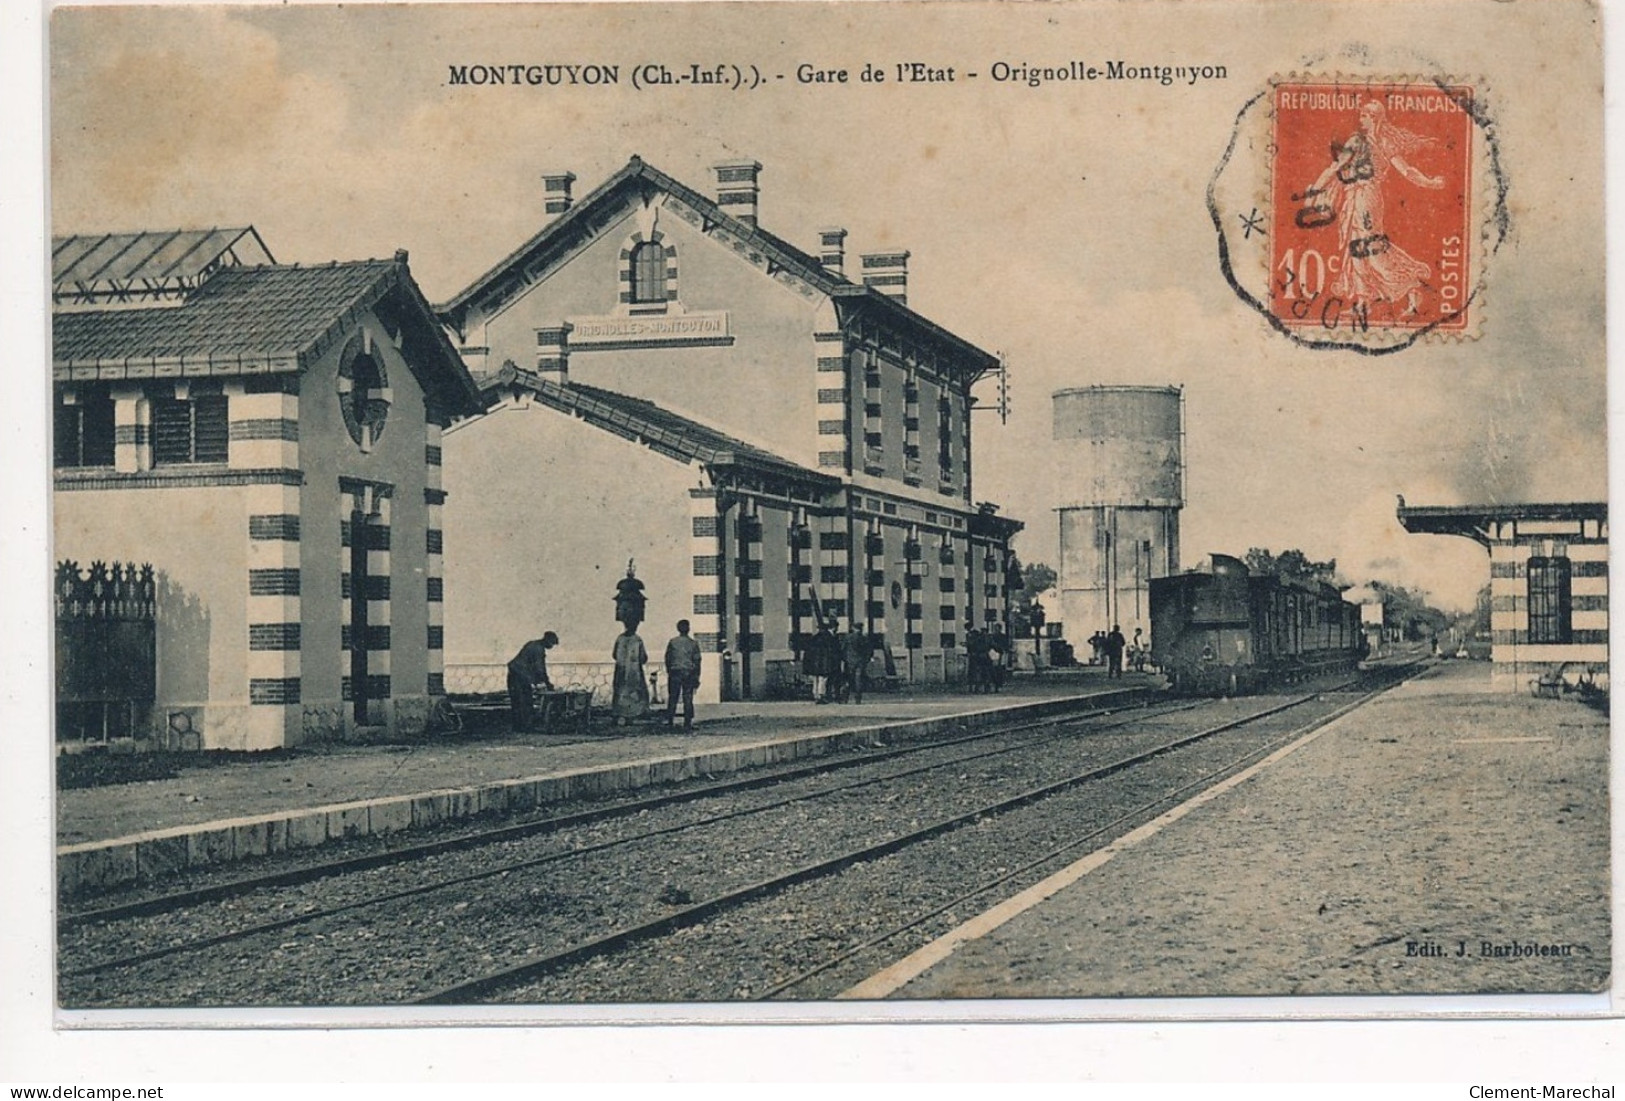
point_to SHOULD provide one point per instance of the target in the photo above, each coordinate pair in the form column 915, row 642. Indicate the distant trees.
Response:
column 1291, row 564
column 1409, row 611
column 1036, row 578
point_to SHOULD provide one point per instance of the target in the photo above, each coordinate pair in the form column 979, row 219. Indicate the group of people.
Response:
column 629, row 699
column 986, row 650
column 1110, row 648
column 630, row 693
column 837, row 664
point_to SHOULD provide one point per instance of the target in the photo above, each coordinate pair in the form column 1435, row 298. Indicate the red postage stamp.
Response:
column 1370, row 197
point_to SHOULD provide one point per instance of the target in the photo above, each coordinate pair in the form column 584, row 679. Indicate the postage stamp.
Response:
column 1370, row 203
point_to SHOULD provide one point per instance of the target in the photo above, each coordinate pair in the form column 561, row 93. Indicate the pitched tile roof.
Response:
column 252, row 314
column 654, row 426
column 253, row 320
column 512, row 274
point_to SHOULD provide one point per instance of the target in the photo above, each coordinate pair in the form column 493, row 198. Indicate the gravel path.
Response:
column 1437, row 818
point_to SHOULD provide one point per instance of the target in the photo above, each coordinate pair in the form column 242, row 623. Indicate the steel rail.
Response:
column 216, row 892
column 536, row 966
column 308, row 916
column 1108, row 829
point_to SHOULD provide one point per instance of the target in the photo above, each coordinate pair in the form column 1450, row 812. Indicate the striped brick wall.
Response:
column 263, row 429
column 911, row 430
column 747, row 552
column 435, row 562
column 372, row 500
column 705, row 605
column 873, row 406
column 801, row 555
column 274, row 614
column 913, row 611
column 132, row 431
column 963, row 452
column 1516, row 658
column 833, row 400
column 875, row 604
column 832, row 567
column 948, row 444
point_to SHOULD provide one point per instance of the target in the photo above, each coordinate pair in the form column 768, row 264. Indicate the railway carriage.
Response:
column 1226, row 630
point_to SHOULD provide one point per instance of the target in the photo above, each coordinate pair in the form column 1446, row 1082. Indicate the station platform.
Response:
column 258, row 804
column 1443, row 839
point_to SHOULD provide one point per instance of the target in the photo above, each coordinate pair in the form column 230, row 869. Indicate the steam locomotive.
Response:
column 1225, row 630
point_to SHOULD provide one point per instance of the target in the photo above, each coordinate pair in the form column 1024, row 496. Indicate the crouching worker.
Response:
column 526, row 673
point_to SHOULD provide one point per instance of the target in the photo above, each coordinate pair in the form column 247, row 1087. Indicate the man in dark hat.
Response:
column 1115, row 643
column 526, row 673
column 856, row 650
column 822, row 660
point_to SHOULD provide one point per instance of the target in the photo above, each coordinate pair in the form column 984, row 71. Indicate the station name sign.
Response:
column 635, row 331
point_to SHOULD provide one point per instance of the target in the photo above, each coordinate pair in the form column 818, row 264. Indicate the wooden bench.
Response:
column 1553, row 685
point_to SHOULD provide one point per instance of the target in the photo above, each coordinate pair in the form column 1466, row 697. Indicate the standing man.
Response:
column 682, row 675
column 855, row 653
column 1115, row 642
column 977, row 672
column 526, row 673
column 998, row 651
column 822, row 660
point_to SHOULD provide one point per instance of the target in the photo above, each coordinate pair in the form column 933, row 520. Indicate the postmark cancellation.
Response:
column 1360, row 213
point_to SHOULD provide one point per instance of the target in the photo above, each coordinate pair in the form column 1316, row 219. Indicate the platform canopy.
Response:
column 146, row 268
column 1488, row 524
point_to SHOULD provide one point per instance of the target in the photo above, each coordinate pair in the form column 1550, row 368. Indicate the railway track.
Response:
column 213, row 894
column 309, row 872
column 682, row 912
column 483, row 986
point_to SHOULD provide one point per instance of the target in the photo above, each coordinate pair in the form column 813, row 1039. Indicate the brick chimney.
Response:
column 556, row 191
column 832, row 249
column 887, row 272
column 553, row 353
column 737, row 189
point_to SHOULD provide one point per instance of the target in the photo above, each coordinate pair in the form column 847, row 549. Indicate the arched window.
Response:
column 649, row 272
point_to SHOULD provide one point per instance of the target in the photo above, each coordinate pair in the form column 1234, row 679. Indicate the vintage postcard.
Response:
column 837, row 511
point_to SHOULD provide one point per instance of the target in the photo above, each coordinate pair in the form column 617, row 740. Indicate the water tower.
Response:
column 1120, row 474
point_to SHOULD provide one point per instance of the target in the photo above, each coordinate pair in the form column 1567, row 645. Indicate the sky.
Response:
column 1065, row 225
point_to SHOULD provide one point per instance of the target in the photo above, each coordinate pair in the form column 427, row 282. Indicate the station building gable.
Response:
column 803, row 437
column 267, row 438
column 683, row 299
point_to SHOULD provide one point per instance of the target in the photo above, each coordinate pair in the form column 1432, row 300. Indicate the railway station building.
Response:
column 267, row 438
column 1548, row 585
column 770, row 435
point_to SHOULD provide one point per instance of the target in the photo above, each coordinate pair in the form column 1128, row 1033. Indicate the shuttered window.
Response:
column 84, row 430
column 192, row 431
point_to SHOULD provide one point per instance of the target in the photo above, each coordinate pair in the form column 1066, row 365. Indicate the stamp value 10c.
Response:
column 1370, row 197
